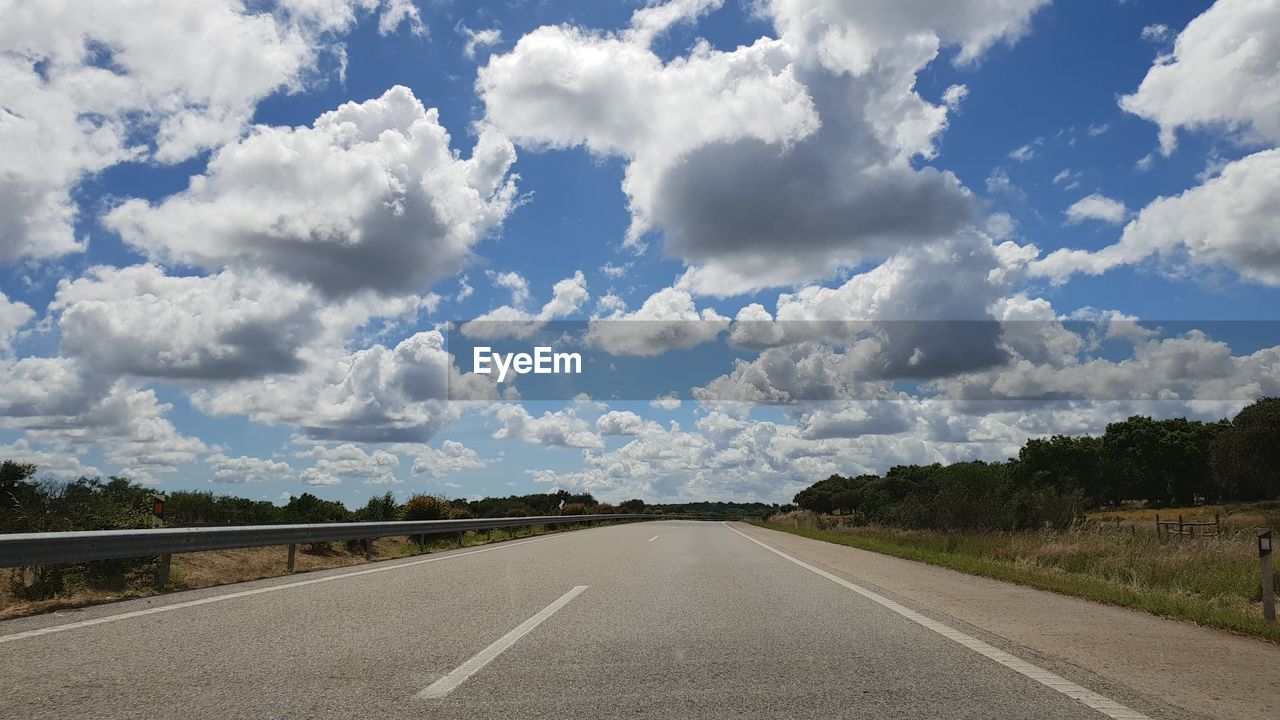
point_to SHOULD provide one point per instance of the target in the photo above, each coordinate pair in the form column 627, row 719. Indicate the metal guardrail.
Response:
column 51, row 548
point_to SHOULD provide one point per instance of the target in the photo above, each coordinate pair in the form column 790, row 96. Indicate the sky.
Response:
column 251, row 247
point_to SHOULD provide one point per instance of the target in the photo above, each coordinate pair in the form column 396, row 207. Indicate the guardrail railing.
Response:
column 51, row 548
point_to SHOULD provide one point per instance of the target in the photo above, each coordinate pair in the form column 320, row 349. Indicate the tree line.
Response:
column 30, row 504
column 1054, row 480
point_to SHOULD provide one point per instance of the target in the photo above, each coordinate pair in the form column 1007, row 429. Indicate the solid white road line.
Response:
column 655, row 537
column 1104, row 705
column 246, row 593
column 459, row 675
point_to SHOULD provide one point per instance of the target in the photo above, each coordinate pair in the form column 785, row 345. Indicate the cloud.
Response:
column 1027, row 152
column 138, row 321
column 13, row 315
column 1230, row 220
column 553, row 429
column 87, row 87
column 451, row 457
column 465, row 290
column 369, row 198
column 478, row 40
column 348, row 462
column 514, row 282
column 1156, row 33
column 800, row 159
column 1097, row 207
column 567, row 297
column 666, row 402
column 52, row 462
column 58, row 402
column 668, row 320
column 1067, row 178
column 623, row 422
column 954, row 95
column 923, row 312
column 244, row 469
column 1222, row 73
column 376, row 394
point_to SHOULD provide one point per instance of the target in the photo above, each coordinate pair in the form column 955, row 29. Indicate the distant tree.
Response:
column 19, row 496
column 379, row 508
column 309, row 508
column 1066, row 462
column 633, row 506
column 1162, row 461
column 1245, row 456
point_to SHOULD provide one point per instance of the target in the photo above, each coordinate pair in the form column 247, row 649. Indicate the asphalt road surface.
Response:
column 645, row 620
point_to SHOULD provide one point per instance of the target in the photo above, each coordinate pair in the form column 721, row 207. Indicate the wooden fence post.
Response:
column 165, row 562
column 1268, row 582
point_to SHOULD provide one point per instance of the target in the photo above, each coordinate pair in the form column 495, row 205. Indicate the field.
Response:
column 220, row 567
column 1211, row 581
column 1236, row 517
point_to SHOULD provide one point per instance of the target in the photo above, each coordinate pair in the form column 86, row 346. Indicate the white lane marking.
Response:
column 1104, row 705
column 655, row 537
column 246, row 593
column 459, row 675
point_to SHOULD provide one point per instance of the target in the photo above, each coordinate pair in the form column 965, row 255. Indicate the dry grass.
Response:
column 1207, row 580
column 1239, row 518
column 221, row 567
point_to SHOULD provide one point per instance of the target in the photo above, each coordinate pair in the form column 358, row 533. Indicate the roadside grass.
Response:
column 221, row 567
column 1209, row 581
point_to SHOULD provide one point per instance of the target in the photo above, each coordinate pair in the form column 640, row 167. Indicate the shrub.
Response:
column 426, row 507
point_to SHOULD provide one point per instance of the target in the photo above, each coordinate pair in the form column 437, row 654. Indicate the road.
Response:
column 647, row 620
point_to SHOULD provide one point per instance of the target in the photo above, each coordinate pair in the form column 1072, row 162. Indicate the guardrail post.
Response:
column 293, row 556
column 166, row 561
column 368, row 549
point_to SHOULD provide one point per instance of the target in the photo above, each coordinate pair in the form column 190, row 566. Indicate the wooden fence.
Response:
column 1189, row 529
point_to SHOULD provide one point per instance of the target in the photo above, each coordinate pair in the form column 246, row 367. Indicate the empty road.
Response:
column 647, row 620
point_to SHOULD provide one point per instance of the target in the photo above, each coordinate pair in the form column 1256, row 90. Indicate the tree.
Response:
column 1245, row 456
column 1162, row 461
column 380, row 508
column 19, row 497
column 1065, row 463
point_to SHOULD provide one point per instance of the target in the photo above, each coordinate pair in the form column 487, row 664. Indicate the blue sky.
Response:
column 237, row 250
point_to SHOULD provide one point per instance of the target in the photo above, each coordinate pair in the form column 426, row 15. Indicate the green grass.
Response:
column 1212, row 582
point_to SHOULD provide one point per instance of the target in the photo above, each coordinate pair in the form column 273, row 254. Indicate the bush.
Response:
column 426, row 507
column 574, row 509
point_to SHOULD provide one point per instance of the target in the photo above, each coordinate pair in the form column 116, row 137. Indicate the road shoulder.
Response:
column 1201, row 670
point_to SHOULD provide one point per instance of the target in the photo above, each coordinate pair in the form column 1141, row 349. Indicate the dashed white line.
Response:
column 246, row 593
column 459, row 675
column 1104, row 705
column 655, row 537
